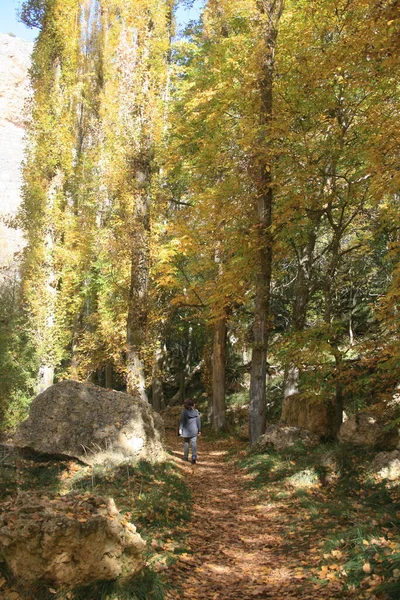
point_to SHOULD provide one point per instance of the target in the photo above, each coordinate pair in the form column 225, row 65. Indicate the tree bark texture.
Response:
column 157, row 390
column 139, row 284
column 218, row 406
column 270, row 13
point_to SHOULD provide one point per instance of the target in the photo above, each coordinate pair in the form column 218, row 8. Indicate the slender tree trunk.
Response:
column 157, row 383
column 179, row 397
column 182, row 386
column 109, row 376
column 329, row 281
column 218, row 407
column 260, row 347
column 47, row 333
column 270, row 13
column 302, row 290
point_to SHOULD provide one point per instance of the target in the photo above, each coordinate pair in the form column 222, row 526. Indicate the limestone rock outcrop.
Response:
column 237, row 421
column 15, row 58
column 386, row 465
column 370, row 427
column 92, row 424
column 68, row 541
column 313, row 414
column 281, row 437
column 171, row 416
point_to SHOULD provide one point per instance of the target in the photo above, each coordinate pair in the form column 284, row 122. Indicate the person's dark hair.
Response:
column 189, row 404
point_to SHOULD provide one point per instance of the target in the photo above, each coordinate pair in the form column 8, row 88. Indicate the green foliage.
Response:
column 17, row 358
column 350, row 520
column 145, row 586
column 32, row 12
column 143, row 179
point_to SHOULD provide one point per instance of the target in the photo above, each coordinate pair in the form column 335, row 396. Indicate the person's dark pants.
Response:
column 193, row 442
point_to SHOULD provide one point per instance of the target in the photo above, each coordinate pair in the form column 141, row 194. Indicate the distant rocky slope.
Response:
column 15, row 56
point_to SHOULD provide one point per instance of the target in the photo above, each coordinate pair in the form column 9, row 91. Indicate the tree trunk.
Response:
column 270, row 13
column 301, row 297
column 179, row 397
column 140, row 266
column 46, row 331
column 46, row 377
column 218, row 407
column 109, row 376
column 182, row 386
column 329, row 281
column 157, row 383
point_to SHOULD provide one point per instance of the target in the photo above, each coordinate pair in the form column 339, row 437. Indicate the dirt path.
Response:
column 241, row 549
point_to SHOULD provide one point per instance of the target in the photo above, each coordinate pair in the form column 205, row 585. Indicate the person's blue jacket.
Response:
column 190, row 424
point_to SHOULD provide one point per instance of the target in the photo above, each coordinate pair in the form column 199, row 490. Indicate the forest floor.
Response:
column 254, row 535
column 238, row 525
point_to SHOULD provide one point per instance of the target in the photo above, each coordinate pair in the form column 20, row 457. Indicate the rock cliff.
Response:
column 14, row 91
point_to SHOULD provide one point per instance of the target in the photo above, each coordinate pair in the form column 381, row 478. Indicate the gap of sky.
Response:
column 9, row 21
column 185, row 12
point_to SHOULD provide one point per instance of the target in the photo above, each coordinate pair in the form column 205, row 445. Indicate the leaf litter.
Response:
column 245, row 543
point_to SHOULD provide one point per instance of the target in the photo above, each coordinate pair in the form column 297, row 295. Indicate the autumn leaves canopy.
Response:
column 237, row 182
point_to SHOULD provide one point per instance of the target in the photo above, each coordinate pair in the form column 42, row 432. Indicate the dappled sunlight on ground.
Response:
column 239, row 548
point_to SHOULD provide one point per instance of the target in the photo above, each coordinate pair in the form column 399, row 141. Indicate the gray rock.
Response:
column 281, row 437
column 92, row 424
column 386, row 465
column 67, row 541
column 370, row 428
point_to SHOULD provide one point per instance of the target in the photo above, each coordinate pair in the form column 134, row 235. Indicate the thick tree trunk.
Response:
column 140, row 266
column 218, row 406
column 270, row 12
column 260, row 347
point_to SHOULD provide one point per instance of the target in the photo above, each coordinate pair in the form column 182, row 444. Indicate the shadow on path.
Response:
column 239, row 546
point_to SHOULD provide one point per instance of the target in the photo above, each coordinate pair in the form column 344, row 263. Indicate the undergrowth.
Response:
column 343, row 520
column 152, row 496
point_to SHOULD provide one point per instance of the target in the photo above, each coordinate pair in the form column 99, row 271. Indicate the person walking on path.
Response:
column 190, row 429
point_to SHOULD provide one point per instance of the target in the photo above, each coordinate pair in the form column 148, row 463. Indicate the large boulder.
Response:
column 314, row 414
column 386, row 465
column 370, row 427
column 92, row 424
column 68, row 541
column 237, row 421
column 171, row 417
column 281, row 437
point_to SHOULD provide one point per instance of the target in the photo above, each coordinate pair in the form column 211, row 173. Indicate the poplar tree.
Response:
column 100, row 78
column 48, row 169
column 136, row 47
